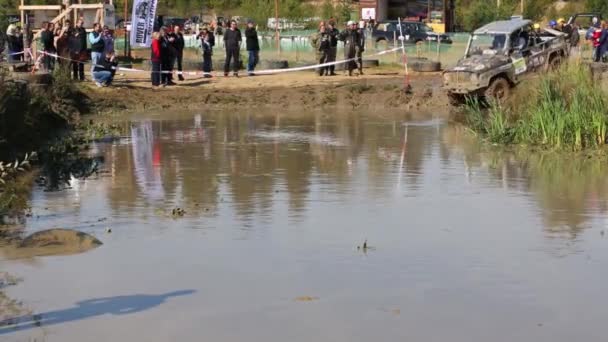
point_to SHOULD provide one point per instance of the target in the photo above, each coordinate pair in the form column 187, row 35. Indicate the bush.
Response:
column 563, row 110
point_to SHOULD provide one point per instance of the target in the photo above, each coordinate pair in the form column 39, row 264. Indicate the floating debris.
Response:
column 178, row 212
column 306, row 299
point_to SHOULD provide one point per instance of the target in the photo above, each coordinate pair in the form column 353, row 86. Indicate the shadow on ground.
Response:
column 119, row 305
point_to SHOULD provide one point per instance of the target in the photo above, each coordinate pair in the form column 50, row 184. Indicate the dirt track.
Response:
column 378, row 89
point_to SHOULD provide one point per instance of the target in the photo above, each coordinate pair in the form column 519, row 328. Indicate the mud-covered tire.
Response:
column 424, row 65
column 382, row 44
column 456, row 100
column 555, row 63
column 37, row 78
column 274, row 64
column 498, row 90
column 370, row 63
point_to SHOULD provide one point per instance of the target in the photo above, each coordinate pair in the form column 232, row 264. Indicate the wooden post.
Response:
column 276, row 26
column 126, row 9
column 22, row 14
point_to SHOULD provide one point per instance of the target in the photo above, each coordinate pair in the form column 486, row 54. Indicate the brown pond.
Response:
column 465, row 243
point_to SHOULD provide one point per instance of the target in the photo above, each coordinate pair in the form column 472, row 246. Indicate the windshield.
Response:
column 425, row 28
column 484, row 44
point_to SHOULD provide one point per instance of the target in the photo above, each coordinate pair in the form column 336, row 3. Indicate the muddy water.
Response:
column 465, row 243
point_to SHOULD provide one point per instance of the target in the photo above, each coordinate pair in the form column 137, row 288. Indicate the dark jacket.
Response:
column 97, row 43
column 13, row 43
column 324, row 43
column 233, row 39
column 251, row 36
column 351, row 40
column 47, row 39
column 78, row 40
column 166, row 49
column 603, row 47
column 333, row 37
column 106, row 65
column 211, row 39
column 575, row 37
column 178, row 44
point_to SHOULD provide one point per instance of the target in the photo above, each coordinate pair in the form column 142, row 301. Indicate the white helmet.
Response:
column 350, row 23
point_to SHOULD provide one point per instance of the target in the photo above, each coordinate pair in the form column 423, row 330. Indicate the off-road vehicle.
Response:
column 499, row 54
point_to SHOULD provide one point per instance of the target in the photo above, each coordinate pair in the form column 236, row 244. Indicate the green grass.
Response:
column 564, row 109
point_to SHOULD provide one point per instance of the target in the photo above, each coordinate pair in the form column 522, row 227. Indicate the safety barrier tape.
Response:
column 257, row 72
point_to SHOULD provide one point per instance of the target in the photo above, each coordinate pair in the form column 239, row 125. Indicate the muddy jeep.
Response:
column 498, row 55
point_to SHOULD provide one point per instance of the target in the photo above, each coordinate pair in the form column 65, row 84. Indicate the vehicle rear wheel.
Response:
column 382, row 44
column 499, row 90
column 456, row 100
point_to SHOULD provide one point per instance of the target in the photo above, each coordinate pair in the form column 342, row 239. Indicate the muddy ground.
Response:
column 377, row 89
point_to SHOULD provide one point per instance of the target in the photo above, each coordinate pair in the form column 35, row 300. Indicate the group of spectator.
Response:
column 167, row 50
column 67, row 45
column 326, row 46
column 64, row 44
column 598, row 35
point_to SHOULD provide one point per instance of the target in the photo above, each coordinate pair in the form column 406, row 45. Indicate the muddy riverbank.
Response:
column 304, row 90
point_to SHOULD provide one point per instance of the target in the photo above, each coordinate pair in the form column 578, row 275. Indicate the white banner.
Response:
column 142, row 22
column 368, row 13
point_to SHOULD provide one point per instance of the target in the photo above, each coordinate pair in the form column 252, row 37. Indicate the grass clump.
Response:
column 564, row 109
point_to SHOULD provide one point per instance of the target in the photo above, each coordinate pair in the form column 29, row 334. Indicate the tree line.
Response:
column 471, row 14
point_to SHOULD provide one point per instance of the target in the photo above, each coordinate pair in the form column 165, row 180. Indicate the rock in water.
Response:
column 58, row 242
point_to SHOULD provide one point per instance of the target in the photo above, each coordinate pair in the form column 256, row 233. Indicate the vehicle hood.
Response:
column 480, row 63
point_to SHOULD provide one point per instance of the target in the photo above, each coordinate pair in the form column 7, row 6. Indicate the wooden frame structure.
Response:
column 66, row 11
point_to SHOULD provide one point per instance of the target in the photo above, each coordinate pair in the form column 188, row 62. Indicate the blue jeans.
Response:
column 95, row 58
column 254, row 58
column 103, row 77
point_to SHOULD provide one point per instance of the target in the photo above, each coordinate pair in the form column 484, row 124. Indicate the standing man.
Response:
column 253, row 47
column 167, row 55
column 178, row 46
column 78, row 49
column 322, row 40
column 207, row 52
column 333, row 46
column 48, row 46
column 97, row 46
column 232, row 41
column 108, row 41
column 351, row 40
column 361, row 46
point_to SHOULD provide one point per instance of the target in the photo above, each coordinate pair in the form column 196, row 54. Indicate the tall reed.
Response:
column 564, row 109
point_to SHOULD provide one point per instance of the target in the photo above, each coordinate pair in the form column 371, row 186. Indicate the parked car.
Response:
column 498, row 55
column 413, row 32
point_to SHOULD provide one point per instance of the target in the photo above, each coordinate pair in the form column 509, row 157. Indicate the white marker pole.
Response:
column 402, row 38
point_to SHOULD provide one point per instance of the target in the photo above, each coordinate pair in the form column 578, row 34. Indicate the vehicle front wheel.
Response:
column 554, row 63
column 499, row 90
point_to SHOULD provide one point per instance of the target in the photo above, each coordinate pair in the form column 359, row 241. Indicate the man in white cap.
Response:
column 361, row 46
column 351, row 39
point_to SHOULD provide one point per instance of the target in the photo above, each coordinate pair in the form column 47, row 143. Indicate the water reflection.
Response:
column 260, row 165
column 568, row 190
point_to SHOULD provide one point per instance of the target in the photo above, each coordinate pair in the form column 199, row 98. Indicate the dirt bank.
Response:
column 301, row 90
